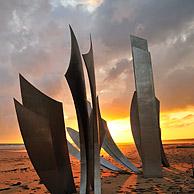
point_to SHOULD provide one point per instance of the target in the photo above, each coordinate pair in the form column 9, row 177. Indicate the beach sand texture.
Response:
column 17, row 175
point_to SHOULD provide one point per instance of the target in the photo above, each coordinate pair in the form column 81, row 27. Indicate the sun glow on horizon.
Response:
column 177, row 124
column 120, row 130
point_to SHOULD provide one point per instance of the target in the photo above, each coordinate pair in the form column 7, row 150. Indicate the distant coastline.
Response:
column 169, row 141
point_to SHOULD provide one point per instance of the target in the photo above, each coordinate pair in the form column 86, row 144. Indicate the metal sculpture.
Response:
column 94, row 122
column 135, row 124
column 149, row 133
column 108, row 143
column 163, row 155
column 39, row 110
column 76, row 82
column 108, row 147
column 41, row 122
column 112, row 149
column 135, row 127
column 75, row 152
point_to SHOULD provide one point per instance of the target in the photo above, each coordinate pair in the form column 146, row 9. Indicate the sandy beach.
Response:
column 17, row 175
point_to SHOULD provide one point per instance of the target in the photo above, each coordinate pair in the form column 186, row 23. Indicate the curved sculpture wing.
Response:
column 150, row 142
column 110, row 146
column 163, row 155
column 135, row 124
column 94, row 122
column 76, row 82
column 36, row 133
column 106, row 164
column 42, row 105
column 112, row 149
column 102, row 131
column 135, row 127
column 73, row 150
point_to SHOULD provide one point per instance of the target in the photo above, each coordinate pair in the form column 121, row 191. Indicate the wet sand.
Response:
column 17, row 175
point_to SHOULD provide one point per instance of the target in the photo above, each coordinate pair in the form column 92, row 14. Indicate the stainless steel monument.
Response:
column 145, row 111
column 76, row 81
column 42, row 127
column 135, row 126
column 104, row 163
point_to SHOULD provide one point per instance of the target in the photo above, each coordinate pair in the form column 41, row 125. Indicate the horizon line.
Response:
column 116, row 142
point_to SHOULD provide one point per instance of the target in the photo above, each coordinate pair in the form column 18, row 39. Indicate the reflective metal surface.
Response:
column 135, row 127
column 36, row 101
column 37, row 136
column 104, row 163
column 73, row 150
column 112, row 149
column 110, row 146
column 163, row 155
column 94, row 123
column 149, row 141
column 135, row 124
column 76, row 82
column 102, row 131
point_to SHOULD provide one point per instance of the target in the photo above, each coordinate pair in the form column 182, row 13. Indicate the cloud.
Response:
column 36, row 42
column 121, row 66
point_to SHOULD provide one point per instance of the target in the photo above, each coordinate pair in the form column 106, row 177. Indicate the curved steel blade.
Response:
column 36, row 101
column 135, row 124
column 94, row 123
column 135, row 127
column 106, row 164
column 163, row 155
column 36, row 133
column 76, row 82
column 73, row 150
column 112, row 149
column 110, row 146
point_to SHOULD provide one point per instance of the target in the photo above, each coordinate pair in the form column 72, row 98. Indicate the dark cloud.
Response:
column 154, row 20
column 35, row 41
column 177, row 89
column 121, row 66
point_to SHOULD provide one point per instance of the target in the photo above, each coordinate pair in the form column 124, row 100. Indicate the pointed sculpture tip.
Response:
column 21, row 76
column 73, row 37
column 70, row 28
column 91, row 47
column 90, row 40
column 22, row 79
column 16, row 102
column 71, row 31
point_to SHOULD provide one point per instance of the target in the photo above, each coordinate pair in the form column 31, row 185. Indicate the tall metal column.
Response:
column 149, row 141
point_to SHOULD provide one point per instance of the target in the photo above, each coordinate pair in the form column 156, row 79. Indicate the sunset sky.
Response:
column 35, row 41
